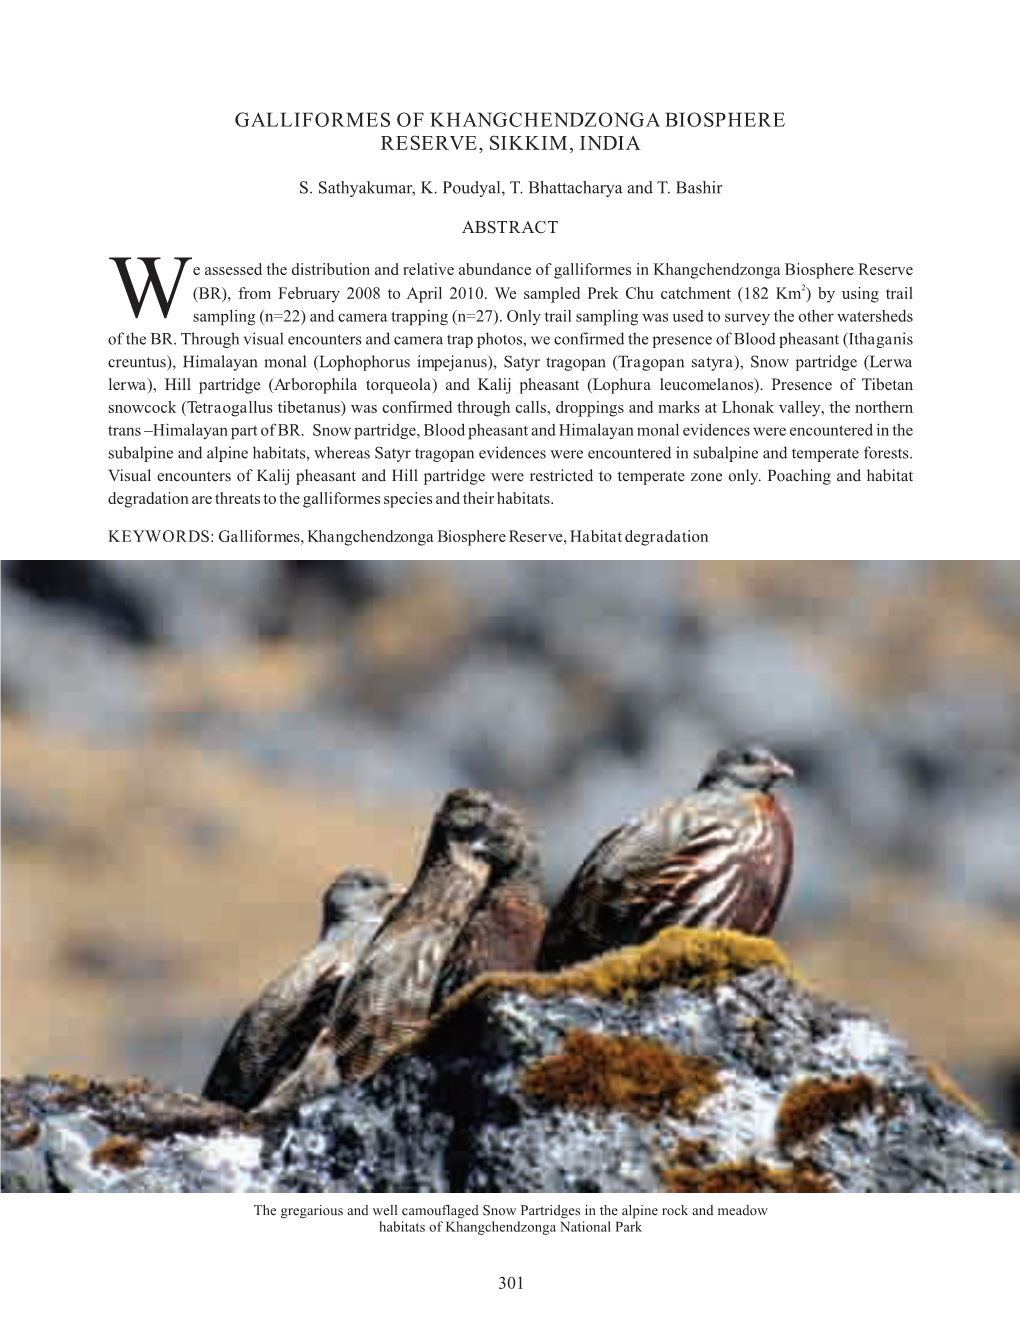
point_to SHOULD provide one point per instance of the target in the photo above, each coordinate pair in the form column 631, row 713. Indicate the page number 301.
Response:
column 511, row 1283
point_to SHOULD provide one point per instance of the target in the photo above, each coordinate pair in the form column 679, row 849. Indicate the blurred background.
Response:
column 191, row 750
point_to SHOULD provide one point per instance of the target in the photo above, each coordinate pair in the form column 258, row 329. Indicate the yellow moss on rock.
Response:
column 690, row 1151
column 749, row 1176
column 680, row 957
column 71, row 1081
column 622, row 1072
column 123, row 1153
column 24, row 1136
column 812, row 1105
column 942, row 1081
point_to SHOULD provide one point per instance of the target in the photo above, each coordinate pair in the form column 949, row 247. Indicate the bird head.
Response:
column 517, row 860
column 480, row 828
column 355, row 894
column 746, row 766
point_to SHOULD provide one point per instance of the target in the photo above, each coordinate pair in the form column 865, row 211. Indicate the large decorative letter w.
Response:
column 152, row 278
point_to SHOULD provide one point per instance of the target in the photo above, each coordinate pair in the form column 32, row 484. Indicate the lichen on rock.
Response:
column 123, row 1153
column 639, row 1076
column 691, row 958
column 941, row 1079
column 749, row 1176
column 814, row 1104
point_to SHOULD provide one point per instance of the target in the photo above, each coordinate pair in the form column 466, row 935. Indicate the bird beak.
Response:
column 782, row 770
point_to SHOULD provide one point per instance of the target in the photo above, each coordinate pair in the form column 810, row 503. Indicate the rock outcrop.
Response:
column 697, row 1063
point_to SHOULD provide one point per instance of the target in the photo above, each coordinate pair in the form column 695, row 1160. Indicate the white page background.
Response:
column 897, row 150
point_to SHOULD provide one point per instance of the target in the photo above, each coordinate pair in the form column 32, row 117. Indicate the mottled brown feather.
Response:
column 719, row 857
column 274, row 1032
column 504, row 932
column 386, row 1001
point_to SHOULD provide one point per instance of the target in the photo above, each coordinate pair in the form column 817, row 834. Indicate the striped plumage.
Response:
column 720, row 857
column 272, row 1035
column 504, row 933
column 386, row 1001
